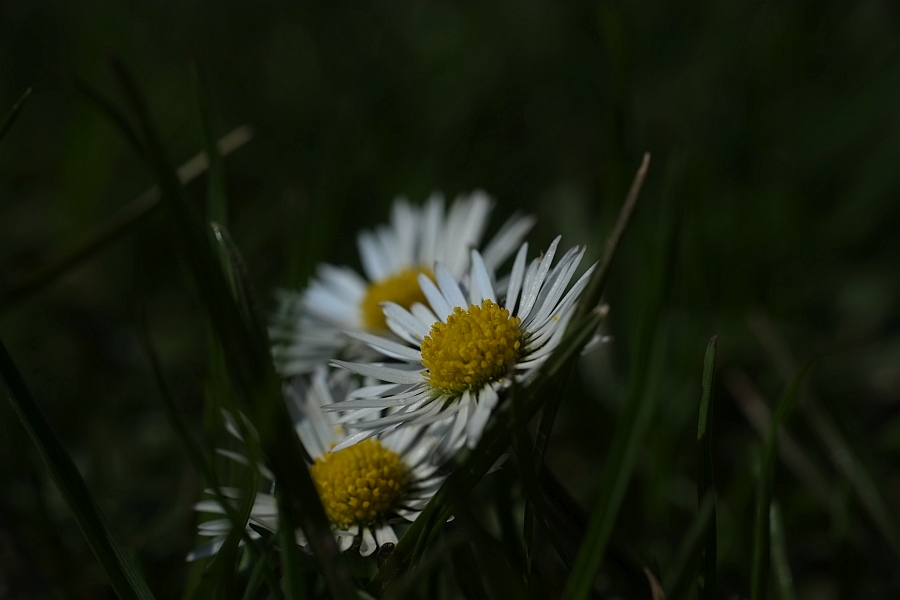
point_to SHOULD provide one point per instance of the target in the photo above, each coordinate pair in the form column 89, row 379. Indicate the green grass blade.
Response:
column 678, row 577
column 14, row 113
column 759, row 575
column 216, row 201
column 118, row 565
column 784, row 580
column 706, row 576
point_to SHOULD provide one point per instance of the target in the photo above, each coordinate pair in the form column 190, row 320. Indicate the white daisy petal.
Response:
column 482, row 289
column 435, row 298
column 516, row 278
column 381, row 372
column 507, row 240
column 423, row 314
column 388, row 347
column 370, row 256
column 385, row 535
column 368, row 545
column 403, row 323
column 529, row 297
column 449, row 287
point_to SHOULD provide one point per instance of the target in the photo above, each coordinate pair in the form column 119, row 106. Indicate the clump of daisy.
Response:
column 463, row 349
column 309, row 328
column 366, row 488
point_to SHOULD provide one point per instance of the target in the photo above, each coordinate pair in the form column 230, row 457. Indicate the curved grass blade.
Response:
column 759, row 575
column 118, row 565
column 57, row 262
column 706, row 576
column 14, row 113
column 678, row 577
column 784, row 580
column 249, row 361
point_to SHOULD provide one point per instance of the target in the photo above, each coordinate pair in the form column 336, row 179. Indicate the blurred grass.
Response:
column 774, row 127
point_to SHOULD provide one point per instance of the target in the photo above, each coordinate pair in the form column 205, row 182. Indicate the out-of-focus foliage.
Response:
column 775, row 141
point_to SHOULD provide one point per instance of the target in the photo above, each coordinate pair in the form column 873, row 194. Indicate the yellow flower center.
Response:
column 473, row 347
column 359, row 484
column 401, row 287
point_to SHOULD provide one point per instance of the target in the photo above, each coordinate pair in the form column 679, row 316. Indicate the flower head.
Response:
column 363, row 487
column 309, row 327
column 463, row 349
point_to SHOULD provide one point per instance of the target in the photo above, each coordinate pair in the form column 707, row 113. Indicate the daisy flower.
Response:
column 366, row 488
column 309, row 327
column 463, row 349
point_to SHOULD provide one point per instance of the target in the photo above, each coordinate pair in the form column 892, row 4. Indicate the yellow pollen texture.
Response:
column 473, row 347
column 401, row 287
column 359, row 484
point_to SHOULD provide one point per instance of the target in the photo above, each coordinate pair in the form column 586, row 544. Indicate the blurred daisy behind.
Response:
column 366, row 489
column 308, row 328
column 460, row 351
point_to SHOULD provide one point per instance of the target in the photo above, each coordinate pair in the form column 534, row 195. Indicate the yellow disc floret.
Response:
column 401, row 287
column 360, row 484
column 473, row 347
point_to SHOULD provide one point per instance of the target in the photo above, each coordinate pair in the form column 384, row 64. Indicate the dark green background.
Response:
column 775, row 138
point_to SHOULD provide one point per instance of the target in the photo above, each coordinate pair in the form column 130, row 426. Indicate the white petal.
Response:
column 449, row 287
column 515, row 279
column 432, row 224
column 370, row 256
column 423, row 314
column 385, row 535
column 379, row 371
column 403, row 323
column 368, row 545
column 487, row 400
column 506, row 240
column 481, row 281
column 435, row 298
column 551, row 294
column 542, row 270
column 344, row 542
column 404, row 222
column 388, row 347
